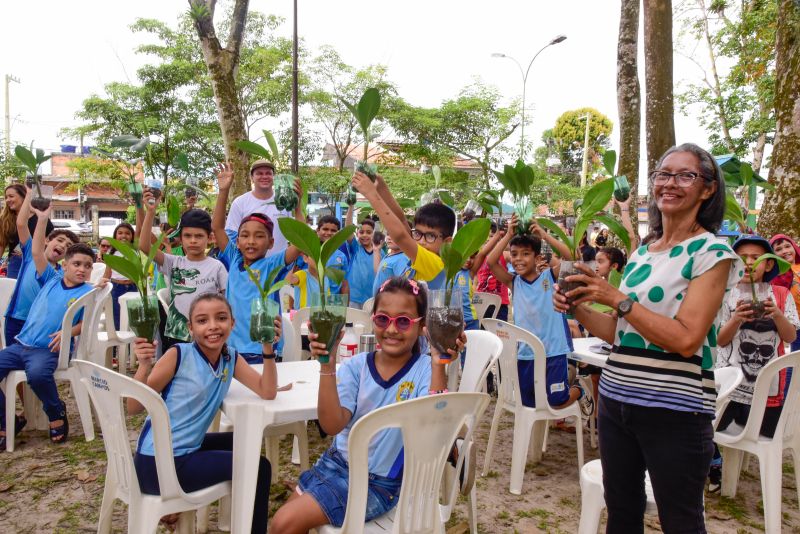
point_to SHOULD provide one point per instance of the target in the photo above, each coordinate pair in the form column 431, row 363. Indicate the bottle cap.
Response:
column 348, row 325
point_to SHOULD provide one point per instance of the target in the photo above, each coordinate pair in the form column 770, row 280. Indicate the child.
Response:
column 327, row 226
column 197, row 376
column 187, row 276
column 104, row 248
column 361, row 272
column 39, row 342
column 750, row 343
column 486, row 282
column 248, row 247
column 365, row 382
column 395, row 263
column 434, row 225
column 119, row 284
column 40, row 258
column 610, row 264
column 532, row 295
column 463, row 281
column 786, row 248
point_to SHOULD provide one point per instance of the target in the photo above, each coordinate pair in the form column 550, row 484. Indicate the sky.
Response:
column 62, row 52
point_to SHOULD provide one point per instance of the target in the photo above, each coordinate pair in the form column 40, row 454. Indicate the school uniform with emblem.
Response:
column 463, row 282
column 392, row 265
column 360, row 274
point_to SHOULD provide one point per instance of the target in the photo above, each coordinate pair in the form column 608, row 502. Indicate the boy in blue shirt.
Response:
column 395, row 263
column 327, row 226
column 532, row 298
column 463, row 282
column 434, row 225
column 361, row 271
column 40, row 258
column 39, row 342
column 246, row 246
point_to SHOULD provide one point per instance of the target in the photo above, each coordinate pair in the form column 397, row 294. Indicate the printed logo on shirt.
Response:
column 70, row 302
column 404, row 391
column 557, row 387
column 546, row 284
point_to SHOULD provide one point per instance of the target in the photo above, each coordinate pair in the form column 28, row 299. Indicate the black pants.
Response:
column 212, row 464
column 502, row 313
column 675, row 447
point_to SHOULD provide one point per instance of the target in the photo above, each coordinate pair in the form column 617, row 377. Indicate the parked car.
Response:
column 107, row 225
column 82, row 230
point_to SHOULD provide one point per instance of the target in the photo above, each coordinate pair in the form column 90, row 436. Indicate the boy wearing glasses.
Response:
column 434, row 225
column 750, row 342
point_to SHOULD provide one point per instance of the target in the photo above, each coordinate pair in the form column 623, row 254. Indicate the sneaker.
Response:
column 714, row 479
column 586, row 403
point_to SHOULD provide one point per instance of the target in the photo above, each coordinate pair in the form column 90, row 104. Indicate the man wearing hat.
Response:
column 261, row 200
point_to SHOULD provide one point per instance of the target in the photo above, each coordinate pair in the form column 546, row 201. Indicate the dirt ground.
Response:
column 45, row 488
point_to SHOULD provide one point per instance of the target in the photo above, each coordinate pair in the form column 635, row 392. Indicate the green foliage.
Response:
column 365, row 112
column 467, row 241
column 132, row 264
column 270, row 285
column 31, row 158
column 568, row 137
column 517, row 181
column 733, row 211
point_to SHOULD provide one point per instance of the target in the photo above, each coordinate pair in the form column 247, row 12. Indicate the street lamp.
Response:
column 556, row 40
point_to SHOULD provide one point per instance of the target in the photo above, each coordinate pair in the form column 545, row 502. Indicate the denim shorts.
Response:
column 327, row 481
column 555, row 381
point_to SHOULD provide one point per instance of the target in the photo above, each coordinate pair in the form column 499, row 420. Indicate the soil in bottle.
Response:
column 444, row 326
column 262, row 327
column 327, row 325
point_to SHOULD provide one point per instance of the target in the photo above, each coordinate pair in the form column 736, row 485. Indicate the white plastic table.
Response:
column 583, row 353
column 250, row 415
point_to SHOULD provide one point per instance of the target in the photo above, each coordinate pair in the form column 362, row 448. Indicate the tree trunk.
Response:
column 629, row 99
column 781, row 211
column 659, row 104
column 761, row 140
column 222, row 64
column 722, row 112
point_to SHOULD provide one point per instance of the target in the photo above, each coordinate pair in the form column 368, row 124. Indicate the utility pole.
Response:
column 295, row 104
column 9, row 79
column 585, row 168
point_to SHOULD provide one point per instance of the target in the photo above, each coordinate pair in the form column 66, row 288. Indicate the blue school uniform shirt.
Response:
column 193, row 397
column 463, row 281
column 393, row 265
column 28, row 284
column 362, row 390
column 339, row 260
column 48, row 311
column 307, row 286
column 241, row 291
column 533, row 311
column 429, row 268
column 361, row 273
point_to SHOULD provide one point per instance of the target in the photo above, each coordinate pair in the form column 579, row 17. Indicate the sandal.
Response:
column 19, row 424
column 59, row 434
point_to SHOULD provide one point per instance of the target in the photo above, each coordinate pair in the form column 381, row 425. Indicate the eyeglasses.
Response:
column 430, row 237
column 682, row 179
column 401, row 322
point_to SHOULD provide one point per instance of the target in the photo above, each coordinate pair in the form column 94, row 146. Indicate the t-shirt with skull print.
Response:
column 754, row 345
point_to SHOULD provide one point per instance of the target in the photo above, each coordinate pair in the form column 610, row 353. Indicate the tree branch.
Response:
column 238, row 21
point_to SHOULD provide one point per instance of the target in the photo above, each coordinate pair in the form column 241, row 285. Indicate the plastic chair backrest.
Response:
column 728, row 379
column 483, row 350
column 87, row 303
column 88, row 343
column 294, row 351
column 356, row 316
column 108, row 389
column 789, row 422
column 163, row 298
column 98, row 270
column 367, row 306
column 285, row 294
column 7, row 286
column 511, row 335
column 124, row 321
column 482, row 301
column 429, row 426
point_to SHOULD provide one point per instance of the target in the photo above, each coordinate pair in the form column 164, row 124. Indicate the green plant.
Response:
column 437, row 194
column 365, row 112
column 132, row 264
column 467, row 241
column 622, row 189
column 270, row 285
column 270, row 152
column 593, row 202
column 32, row 159
column 517, row 181
column 303, row 237
column 285, row 197
column 782, row 264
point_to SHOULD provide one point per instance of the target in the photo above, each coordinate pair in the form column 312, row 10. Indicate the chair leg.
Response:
column 771, row 475
column 142, row 520
column 224, row 515
column 796, row 465
column 487, row 460
column 473, row 511
column 579, row 437
column 272, row 448
column 84, row 406
column 186, row 523
column 301, row 439
column 519, row 452
column 295, row 450
column 107, row 506
column 202, row 519
column 11, row 412
column 538, row 433
column 731, row 467
column 592, row 504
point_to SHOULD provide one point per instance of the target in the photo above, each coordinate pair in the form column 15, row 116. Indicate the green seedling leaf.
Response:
column 125, row 141
column 437, row 175
column 181, row 161
column 746, row 173
column 556, row 230
column 335, row 274
column 610, row 161
column 256, row 281
column 733, row 211
column 783, row 265
column 27, row 158
column 124, row 267
column 173, row 211
column 452, row 260
column 596, row 198
column 276, row 287
column 253, row 148
column 505, row 180
column 367, row 109
column 525, row 177
column 334, row 242
column 447, row 198
column 302, row 236
column 471, row 237
column 128, row 252
column 616, row 228
column 276, row 155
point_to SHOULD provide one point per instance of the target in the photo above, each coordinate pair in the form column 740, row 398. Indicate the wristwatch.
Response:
column 625, row 307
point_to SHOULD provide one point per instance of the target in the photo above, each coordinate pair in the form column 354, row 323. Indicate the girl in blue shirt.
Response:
column 193, row 379
column 366, row 382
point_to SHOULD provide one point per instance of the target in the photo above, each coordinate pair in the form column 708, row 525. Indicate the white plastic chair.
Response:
column 482, row 301
column 293, row 339
column 735, row 443
column 367, row 306
column 7, row 286
column 163, row 298
column 107, row 390
column 593, row 502
column 726, row 379
column 286, row 295
column 527, row 420
column 98, row 270
column 124, row 356
column 110, row 337
column 360, row 317
column 89, row 302
column 429, row 426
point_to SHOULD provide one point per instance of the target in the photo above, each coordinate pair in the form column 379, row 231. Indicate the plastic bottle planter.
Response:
column 753, row 295
column 328, row 321
column 42, row 195
column 135, row 190
column 568, row 268
column 370, row 169
column 262, row 320
column 285, row 196
column 143, row 316
column 622, row 189
column 155, row 186
column 445, row 318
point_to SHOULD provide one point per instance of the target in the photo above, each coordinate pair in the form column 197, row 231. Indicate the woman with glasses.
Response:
column 657, row 393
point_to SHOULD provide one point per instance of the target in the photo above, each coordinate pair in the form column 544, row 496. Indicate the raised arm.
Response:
column 493, row 259
column 156, row 375
column 396, row 228
column 145, row 240
column 23, row 233
column 625, row 218
column 480, row 257
column 264, row 385
column 388, row 198
column 332, row 416
column 348, row 220
column 38, row 244
column 298, row 210
column 224, row 180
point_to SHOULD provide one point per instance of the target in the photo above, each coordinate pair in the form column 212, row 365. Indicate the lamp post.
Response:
column 585, row 166
column 556, row 40
column 295, row 104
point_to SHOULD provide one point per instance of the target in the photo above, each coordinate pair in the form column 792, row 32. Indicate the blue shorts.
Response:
column 327, row 483
column 556, row 381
